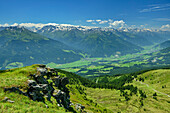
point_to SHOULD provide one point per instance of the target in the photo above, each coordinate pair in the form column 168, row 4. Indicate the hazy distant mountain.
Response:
column 133, row 38
column 153, row 36
column 21, row 45
column 96, row 42
column 164, row 44
column 141, row 37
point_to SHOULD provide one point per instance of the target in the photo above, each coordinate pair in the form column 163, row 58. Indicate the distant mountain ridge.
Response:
column 21, row 45
column 137, row 36
column 141, row 37
column 96, row 42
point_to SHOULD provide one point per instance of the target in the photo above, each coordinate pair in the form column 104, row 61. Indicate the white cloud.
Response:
column 98, row 20
column 89, row 20
column 165, row 27
column 156, row 7
column 103, row 22
column 120, row 23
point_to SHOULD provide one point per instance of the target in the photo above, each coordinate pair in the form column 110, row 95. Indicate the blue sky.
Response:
column 137, row 13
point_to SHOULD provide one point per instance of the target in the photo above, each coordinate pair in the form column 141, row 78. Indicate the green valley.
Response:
column 91, row 67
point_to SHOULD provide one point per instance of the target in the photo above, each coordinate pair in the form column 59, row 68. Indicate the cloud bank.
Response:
column 109, row 22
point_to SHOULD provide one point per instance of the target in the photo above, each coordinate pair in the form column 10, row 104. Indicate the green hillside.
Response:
column 18, row 78
column 21, row 46
column 145, row 91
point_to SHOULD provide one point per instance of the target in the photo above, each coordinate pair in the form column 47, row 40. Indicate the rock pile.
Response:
column 80, row 107
column 46, row 83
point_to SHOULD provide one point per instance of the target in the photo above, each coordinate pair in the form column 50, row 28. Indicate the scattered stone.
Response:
column 71, row 104
column 46, row 106
column 80, row 107
column 10, row 101
column 6, row 99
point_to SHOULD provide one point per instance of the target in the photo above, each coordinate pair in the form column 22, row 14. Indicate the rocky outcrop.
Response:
column 46, row 83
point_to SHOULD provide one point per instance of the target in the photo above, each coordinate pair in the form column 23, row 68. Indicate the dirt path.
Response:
column 152, row 88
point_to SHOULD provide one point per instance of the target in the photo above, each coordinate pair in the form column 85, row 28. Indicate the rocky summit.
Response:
column 44, row 84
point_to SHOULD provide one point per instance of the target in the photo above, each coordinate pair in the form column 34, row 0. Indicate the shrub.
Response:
column 155, row 94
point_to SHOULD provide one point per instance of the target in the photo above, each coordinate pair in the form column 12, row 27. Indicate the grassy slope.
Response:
column 153, row 82
column 156, row 79
column 95, row 100
column 18, row 78
column 112, row 100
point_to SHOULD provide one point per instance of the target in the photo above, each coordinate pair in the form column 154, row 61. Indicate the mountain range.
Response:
column 140, row 37
column 95, row 42
column 64, row 44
